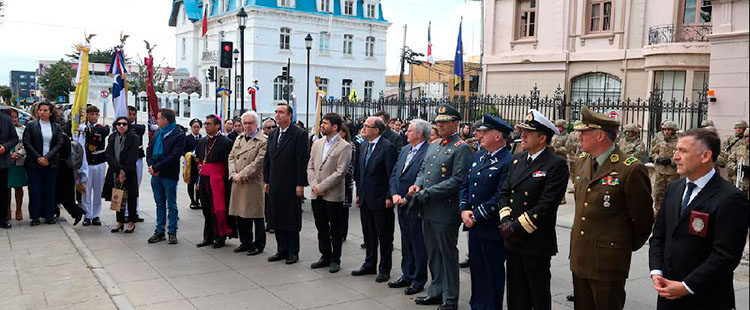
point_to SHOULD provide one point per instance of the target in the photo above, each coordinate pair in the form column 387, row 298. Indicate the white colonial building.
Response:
column 348, row 50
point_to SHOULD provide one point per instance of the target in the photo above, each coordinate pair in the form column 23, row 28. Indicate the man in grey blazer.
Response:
column 435, row 198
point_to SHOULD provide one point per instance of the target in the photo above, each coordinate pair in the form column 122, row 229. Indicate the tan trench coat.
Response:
column 246, row 159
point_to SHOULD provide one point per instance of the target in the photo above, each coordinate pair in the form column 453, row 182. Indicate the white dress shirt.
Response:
column 327, row 146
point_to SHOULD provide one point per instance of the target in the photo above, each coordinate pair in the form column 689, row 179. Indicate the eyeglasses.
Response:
column 121, row 124
column 368, row 126
column 269, row 127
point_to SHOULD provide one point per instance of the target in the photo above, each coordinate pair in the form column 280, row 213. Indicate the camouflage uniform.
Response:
column 728, row 145
column 633, row 146
column 707, row 123
column 573, row 148
column 740, row 153
column 664, row 166
column 559, row 140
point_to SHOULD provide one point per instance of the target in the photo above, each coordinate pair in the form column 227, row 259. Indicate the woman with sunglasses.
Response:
column 122, row 154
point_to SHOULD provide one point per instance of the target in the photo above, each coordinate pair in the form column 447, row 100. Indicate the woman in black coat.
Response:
column 121, row 154
column 42, row 141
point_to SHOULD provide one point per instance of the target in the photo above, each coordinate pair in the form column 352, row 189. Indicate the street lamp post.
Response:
column 308, row 45
column 235, row 54
column 242, row 20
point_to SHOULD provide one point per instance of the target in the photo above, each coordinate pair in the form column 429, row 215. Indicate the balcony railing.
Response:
column 678, row 33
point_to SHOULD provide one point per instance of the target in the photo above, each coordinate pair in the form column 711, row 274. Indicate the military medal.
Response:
column 606, row 201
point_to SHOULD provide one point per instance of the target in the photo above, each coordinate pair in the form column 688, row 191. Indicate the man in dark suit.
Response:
column 388, row 133
column 285, row 177
column 191, row 144
column 375, row 164
column 529, row 199
column 413, row 252
column 139, row 130
column 700, row 230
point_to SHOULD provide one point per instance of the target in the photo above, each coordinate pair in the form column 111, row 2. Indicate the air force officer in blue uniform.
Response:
column 478, row 198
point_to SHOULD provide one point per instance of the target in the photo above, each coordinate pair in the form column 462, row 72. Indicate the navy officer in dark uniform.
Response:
column 478, row 202
column 536, row 184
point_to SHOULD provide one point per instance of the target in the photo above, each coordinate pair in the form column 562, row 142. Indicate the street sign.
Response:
column 104, row 93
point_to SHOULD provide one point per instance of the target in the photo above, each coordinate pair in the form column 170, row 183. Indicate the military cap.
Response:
column 631, row 127
column 593, row 120
column 669, row 125
column 490, row 122
column 537, row 122
column 447, row 113
column 561, row 122
column 740, row 124
column 706, row 123
column 195, row 120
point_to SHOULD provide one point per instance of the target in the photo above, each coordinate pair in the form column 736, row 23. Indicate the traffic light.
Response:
column 211, row 76
column 225, row 61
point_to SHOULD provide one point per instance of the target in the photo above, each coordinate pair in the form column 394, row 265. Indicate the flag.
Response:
column 153, row 103
column 204, row 23
column 320, row 95
column 430, row 59
column 294, row 106
column 82, row 88
column 458, row 60
column 119, row 72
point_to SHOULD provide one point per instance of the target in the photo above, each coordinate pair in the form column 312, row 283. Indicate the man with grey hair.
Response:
column 413, row 253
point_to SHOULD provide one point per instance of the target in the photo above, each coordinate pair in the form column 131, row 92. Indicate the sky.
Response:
column 35, row 30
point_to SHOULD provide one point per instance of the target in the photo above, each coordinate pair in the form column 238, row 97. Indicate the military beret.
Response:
column 594, row 120
column 669, row 125
column 740, row 124
column 537, row 122
column 706, row 123
column 447, row 113
column 490, row 122
column 631, row 127
column 561, row 122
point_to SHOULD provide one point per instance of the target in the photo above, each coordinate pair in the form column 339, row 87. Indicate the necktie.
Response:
column 528, row 160
column 686, row 199
column 370, row 146
column 409, row 157
column 278, row 141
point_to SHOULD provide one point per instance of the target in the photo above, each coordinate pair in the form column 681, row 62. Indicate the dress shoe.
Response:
column 5, row 224
column 362, row 245
column 120, row 227
column 173, row 238
column 334, row 268
column 411, row 290
column 448, row 307
column 34, row 222
column 382, row 278
column 292, row 259
column 277, row 257
column 254, row 251
column 218, row 244
column 570, row 297
column 204, row 243
column 362, row 271
column 77, row 219
column 320, row 264
column 50, row 221
column 86, row 222
column 96, row 221
column 131, row 230
column 242, row 248
column 429, row 300
column 465, row 263
column 401, row 282
column 195, row 206
column 156, row 238
column 139, row 220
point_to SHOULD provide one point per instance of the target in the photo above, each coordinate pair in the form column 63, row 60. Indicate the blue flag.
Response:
column 458, row 60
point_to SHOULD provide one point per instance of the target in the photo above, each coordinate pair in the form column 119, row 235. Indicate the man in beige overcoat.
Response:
column 246, row 174
column 326, row 171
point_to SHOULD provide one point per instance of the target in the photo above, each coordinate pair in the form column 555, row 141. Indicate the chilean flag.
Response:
column 118, row 71
column 205, row 23
column 430, row 60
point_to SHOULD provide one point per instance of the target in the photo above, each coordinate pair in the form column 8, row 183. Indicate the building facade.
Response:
column 348, row 47
column 22, row 83
column 612, row 49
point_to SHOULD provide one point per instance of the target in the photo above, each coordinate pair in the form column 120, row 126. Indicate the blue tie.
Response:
column 686, row 199
column 370, row 145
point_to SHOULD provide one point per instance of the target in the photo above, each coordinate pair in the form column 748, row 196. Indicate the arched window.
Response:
column 278, row 87
column 591, row 87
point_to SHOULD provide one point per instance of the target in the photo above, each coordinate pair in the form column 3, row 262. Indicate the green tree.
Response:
column 5, row 93
column 137, row 80
column 96, row 56
column 191, row 85
column 57, row 80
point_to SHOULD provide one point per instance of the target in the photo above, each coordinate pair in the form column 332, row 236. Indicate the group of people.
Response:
column 501, row 183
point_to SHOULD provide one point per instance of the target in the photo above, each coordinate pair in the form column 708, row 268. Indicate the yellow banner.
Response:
column 78, row 112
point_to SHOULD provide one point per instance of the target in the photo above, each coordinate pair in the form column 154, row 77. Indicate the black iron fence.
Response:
column 647, row 113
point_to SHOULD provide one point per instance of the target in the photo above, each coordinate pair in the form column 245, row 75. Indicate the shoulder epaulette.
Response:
column 459, row 142
column 629, row 161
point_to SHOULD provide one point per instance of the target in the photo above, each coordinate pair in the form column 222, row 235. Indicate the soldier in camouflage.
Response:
column 573, row 149
column 729, row 143
column 665, row 168
column 560, row 142
column 707, row 123
column 632, row 143
column 738, row 159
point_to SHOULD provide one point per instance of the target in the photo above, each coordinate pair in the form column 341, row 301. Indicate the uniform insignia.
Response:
column 445, row 142
column 606, row 203
column 583, row 155
column 698, row 222
column 539, row 174
column 614, row 158
column 441, row 109
column 443, row 169
column 530, row 117
column 474, row 164
column 493, row 168
column 515, row 161
column 613, row 173
column 610, row 180
column 630, row 161
column 459, row 142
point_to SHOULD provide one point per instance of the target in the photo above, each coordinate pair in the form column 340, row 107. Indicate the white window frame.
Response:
column 325, row 6
column 370, row 47
column 285, row 38
column 353, row 7
column 369, row 85
column 324, row 44
column 278, row 87
column 286, row 3
column 346, row 88
column 371, row 6
column 348, row 44
column 323, row 84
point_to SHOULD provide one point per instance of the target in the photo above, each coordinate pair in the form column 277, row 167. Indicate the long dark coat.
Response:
column 128, row 156
column 285, row 167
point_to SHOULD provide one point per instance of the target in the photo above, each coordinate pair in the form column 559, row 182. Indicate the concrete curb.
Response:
column 118, row 298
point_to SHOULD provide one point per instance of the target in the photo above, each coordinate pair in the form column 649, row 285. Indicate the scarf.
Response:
column 160, row 135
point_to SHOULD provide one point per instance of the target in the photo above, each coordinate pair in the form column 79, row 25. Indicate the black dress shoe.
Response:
column 570, row 297
column 382, row 278
column 320, row 264
column 77, row 219
column 362, row 271
column 50, row 221
column 34, row 222
column 448, row 307
column 218, row 244
column 399, row 283
column 156, row 238
column 465, row 263
column 411, row 290
column 362, row 245
column 86, row 222
column 96, row 222
column 5, row 224
column 292, row 259
column 277, row 257
column 254, row 251
column 195, row 206
column 139, row 220
column 242, row 248
column 429, row 300
column 334, row 268
column 204, row 243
